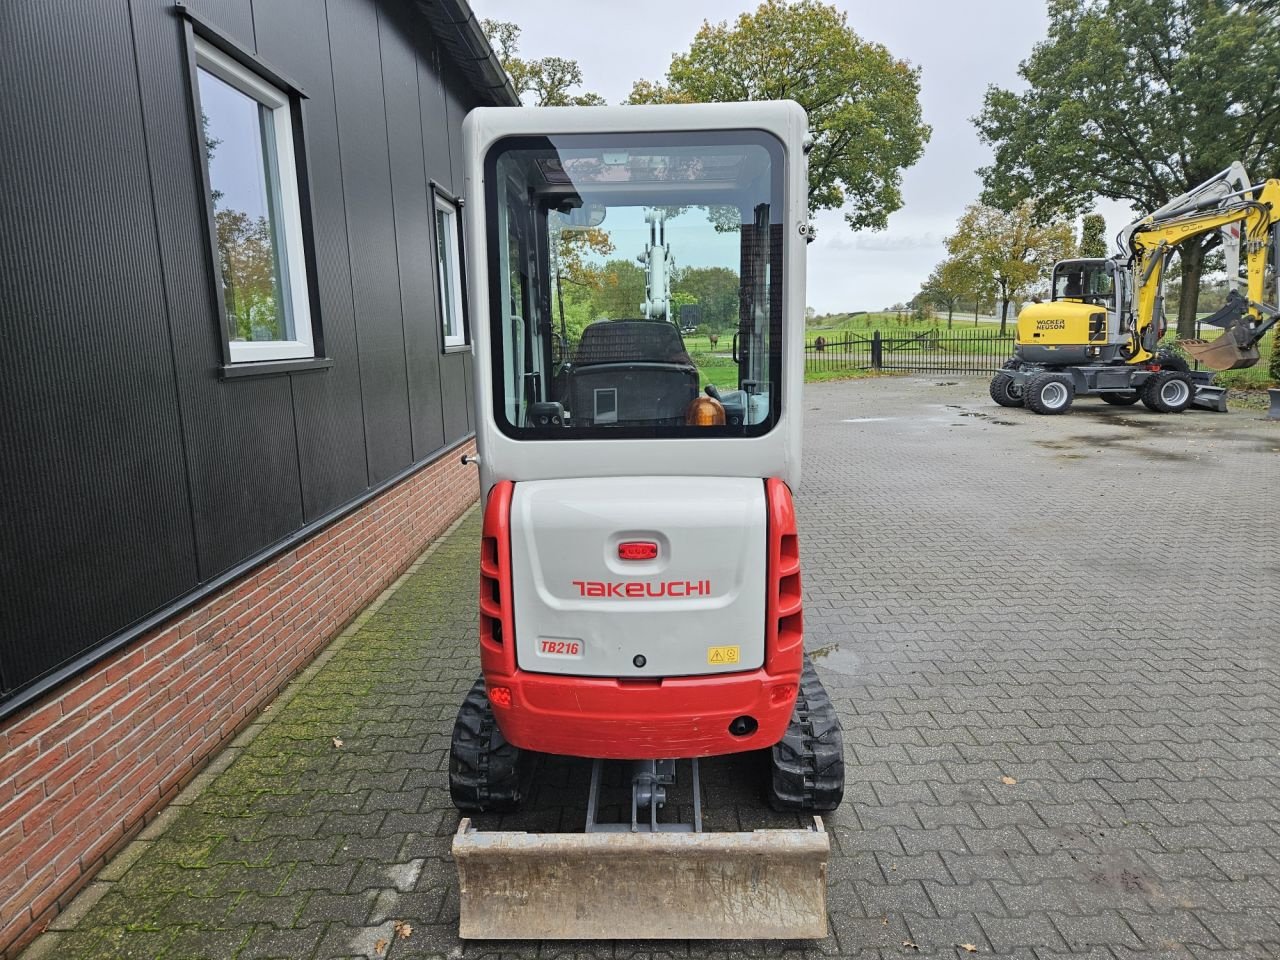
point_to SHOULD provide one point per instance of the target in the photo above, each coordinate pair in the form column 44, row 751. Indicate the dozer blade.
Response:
column 768, row 884
column 1221, row 354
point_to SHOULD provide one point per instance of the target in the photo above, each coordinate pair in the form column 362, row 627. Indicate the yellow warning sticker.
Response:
column 722, row 655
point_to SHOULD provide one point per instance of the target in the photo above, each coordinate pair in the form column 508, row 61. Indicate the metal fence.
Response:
column 929, row 351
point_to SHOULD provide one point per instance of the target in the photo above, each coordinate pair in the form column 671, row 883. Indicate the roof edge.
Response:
column 459, row 32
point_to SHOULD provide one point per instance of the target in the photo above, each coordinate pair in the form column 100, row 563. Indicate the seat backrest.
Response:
column 630, row 341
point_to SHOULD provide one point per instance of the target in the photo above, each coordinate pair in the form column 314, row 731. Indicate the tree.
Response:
column 946, row 285
column 716, row 290
column 1138, row 100
column 247, row 262
column 547, row 80
column 1012, row 248
column 571, row 250
column 1093, row 235
column 621, row 290
column 863, row 105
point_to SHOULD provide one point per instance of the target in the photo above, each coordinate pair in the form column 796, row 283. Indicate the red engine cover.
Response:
column 651, row 718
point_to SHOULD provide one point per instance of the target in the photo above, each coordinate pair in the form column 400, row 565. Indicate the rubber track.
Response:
column 807, row 767
column 485, row 772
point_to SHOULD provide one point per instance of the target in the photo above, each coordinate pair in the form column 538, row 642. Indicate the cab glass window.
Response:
column 1091, row 282
column 636, row 284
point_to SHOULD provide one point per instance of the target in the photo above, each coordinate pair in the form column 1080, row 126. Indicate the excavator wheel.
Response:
column 1126, row 399
column 806, row 768
column 1169, row 360
column 1005, row 391
column 1169, row 391
column 485, row 772
column 1049, row 393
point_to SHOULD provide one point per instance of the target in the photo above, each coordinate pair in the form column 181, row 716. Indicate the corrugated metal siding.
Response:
column 232, row 17
column 133, row 472
column 412, row 203
column 328, row 405
column 241, row 444
column 94, row 510
column 454, row 376
column 366, row 172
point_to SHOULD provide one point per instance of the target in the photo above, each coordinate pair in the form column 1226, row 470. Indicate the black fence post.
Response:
column 877, row 351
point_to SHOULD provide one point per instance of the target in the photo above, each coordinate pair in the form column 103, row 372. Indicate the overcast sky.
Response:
column 961, row 48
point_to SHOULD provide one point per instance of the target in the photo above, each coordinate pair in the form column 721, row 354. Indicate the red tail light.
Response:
column 784, row 610
column 497, row 620
column 500, row 696
column 638, row 550
column 783, row 693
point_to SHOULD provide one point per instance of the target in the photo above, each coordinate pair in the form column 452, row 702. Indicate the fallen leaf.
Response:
column 380, row 946
column 911, row 944
column 337, row 743
column 884, row 921
column 968, row 948
column 403, row 930
column 1008, row 781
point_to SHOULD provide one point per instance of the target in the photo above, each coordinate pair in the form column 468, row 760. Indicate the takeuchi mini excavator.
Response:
column 1100, row 334
column 640, row 602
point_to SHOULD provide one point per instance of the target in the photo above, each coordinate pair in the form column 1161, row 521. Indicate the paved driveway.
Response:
column 1086, row 605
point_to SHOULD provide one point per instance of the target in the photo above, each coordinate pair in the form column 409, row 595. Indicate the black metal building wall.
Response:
column 132, row 472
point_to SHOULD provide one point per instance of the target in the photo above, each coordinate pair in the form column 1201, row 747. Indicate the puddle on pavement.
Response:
column 978, row 415
column 1078, row 448
column 832, row 658
column 1108, row 416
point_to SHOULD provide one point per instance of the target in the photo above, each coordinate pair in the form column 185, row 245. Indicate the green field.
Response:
column 865, row 323
column 716, row 366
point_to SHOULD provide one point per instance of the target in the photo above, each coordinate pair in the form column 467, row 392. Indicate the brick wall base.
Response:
column 83, row 770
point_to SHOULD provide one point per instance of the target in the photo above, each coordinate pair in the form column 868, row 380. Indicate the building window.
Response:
column 449, row 268
column 247, row 126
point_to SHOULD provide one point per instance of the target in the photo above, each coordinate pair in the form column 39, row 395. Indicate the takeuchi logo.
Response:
column 636, row 589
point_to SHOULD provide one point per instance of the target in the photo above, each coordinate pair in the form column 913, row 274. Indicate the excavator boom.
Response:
column 1245, row 319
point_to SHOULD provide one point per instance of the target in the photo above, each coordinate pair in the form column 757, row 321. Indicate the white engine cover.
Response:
column 697, row 608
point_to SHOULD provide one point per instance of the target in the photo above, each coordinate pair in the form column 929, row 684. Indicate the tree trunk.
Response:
column 1004, row 311
column 951, row 308
column 1192, row 254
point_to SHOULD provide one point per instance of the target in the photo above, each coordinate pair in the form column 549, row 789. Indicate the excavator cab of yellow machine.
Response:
column 1081, row 324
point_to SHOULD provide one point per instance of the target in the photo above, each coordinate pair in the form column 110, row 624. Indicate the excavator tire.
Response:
column 485, row 772
column 1049, row 393
column 806, row 768
column 1169, row 360
column 1127, row 399
column 1005, row 391
column 1168, row 391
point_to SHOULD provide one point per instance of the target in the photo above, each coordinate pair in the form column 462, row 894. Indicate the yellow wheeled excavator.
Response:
column 1100, row 333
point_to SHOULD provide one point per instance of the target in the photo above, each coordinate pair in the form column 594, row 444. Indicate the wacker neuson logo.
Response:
column 636, row 589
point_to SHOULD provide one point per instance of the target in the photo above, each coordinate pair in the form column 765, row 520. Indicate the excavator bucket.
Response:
column 766, row 884
column 1221, row 354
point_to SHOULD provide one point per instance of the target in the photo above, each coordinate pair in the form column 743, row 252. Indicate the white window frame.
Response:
column 213, row 60
column 453, row 289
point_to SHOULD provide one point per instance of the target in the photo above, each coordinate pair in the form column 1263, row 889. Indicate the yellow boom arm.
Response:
column 1154, row 242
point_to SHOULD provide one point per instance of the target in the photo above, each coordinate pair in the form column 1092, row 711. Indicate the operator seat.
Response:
column 632, row 372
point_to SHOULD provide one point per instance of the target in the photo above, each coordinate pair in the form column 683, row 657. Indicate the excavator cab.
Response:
column 1084, row 322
